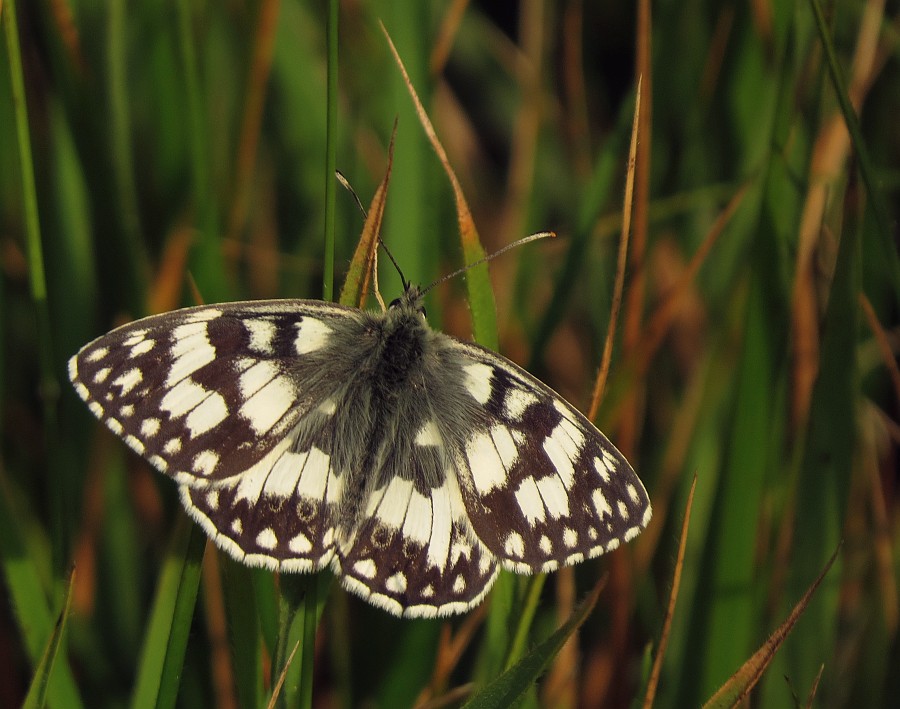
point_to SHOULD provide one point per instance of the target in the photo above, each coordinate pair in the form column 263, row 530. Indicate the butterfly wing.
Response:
column 542, row 486
column 414, row 552
column 212, row 397
column 281, row 513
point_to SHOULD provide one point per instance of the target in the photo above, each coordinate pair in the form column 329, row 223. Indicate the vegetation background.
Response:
column 184, row 142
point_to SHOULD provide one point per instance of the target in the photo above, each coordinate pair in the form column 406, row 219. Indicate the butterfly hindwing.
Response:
column 542, row 486
column 282, row 512
column 415, row 554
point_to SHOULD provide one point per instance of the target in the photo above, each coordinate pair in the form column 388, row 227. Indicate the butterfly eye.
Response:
column 394, row 303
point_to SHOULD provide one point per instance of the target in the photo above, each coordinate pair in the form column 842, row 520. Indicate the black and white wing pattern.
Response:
column 304, row 434
column 542, row 486
column 214, row 397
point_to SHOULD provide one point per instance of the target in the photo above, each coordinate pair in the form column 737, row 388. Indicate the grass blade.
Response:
column 514, row 682
column 165, row 641
column 29, row 604
column 481, row 297
column 650, row 693
column 364, row 262
column 866, row 168
column 736, row 689
column 37, row 693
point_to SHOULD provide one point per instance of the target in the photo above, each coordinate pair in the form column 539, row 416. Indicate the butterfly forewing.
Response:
column 542, row 486
column 207, row 393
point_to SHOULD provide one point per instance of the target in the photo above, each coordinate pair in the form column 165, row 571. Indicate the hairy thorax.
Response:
column 399, row 361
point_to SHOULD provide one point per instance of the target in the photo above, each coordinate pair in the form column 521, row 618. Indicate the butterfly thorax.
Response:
column 405, row 336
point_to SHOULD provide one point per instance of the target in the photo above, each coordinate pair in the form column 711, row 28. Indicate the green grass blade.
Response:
column 597, row 194
column 410, row 229
column 37, row 693
column 207, row 265
column 523, row 624
column 411, row 663
column 514, row 682
column 242, row 612
column 824, row 483
column 499, row 627
column 182, row 615
column 162, row 654
column 866, row 169
column 310, row 624
column 122, row 152
column 729, row 616
column 291, row 621
column 37, row 281
column 738, row 687
column 331, row 149
column 29, row 604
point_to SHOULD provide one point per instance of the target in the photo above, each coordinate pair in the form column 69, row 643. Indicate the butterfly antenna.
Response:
column 490, row 257
column 345, row 183
column 394, row 261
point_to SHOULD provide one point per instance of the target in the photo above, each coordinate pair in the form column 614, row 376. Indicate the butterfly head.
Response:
column 412, row 300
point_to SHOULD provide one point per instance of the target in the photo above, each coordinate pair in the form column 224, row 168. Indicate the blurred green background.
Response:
column 182, row 143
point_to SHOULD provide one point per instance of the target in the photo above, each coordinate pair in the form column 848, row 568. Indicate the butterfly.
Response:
column 304, row 434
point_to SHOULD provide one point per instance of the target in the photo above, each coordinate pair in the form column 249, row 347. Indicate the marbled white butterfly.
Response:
column 305, row 434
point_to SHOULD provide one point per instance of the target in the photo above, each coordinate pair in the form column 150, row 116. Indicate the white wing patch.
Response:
column 183, row 397
column 316, row 467
column 262, row 333
column 206, row 415
column 267, row 406
column 128, row 381
column 192, row 351
column 485, row 463
column 312, row 335
column 530, row 501
column 517, row 402
column 478, row 381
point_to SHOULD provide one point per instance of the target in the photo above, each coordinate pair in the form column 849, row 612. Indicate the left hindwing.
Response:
column 542, row 486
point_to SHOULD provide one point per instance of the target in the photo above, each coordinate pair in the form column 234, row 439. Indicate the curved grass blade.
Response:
column 619, row 286
column 478, row 284
column 276, row 690
column 736, row 689
column 529, row 608
column 673, row 597
column 859, row 146
column 515, row 681
column 37, row 692
column 362, row 265
column 27, row 600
